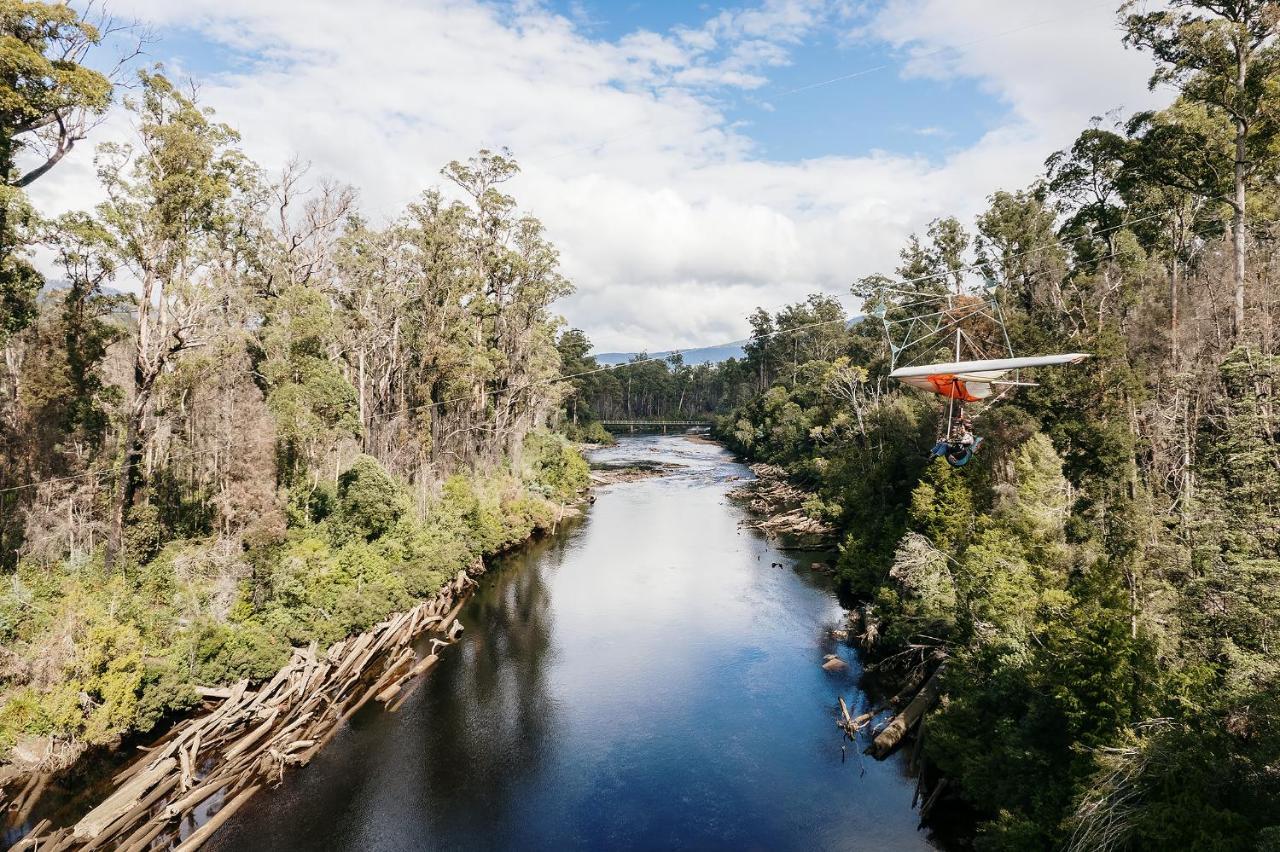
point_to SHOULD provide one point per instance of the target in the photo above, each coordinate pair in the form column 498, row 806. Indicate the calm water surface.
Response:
column 642, row 680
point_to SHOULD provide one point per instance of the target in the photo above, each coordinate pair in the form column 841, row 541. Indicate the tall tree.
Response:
column 168, row 192
column 48, row 101
column 1223, row 54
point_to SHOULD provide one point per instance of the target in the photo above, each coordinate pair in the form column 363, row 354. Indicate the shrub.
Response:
column 369, row 500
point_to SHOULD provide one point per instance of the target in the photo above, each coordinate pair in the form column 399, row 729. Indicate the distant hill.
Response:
column 700, row 355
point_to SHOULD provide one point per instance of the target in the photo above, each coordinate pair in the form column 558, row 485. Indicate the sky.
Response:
column 691, row 161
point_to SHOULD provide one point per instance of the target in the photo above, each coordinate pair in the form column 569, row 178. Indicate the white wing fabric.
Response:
column 972, row 381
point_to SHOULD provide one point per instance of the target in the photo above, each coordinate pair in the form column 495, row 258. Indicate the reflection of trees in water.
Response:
column 474, row 739
column 490, row 714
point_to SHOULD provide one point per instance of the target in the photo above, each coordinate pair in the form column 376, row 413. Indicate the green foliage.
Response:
column 369, row 500
column 1032, row 567
column 46, row 93
column 587, row 432
column 555, row 468
column 311, row 400
column 224, row 653
column 941, row 507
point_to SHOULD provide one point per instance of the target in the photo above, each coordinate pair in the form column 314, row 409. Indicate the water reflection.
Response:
column 644, row 680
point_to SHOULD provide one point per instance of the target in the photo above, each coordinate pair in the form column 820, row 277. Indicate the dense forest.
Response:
column 1098, row 593
column 240, row 417
column 648, row 388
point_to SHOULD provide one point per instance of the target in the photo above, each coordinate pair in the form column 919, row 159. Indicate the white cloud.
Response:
column 669, row 225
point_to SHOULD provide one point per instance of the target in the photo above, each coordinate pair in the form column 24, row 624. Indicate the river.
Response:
column 643, row 679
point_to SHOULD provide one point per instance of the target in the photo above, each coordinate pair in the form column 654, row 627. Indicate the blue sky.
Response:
column 882, row 110
column 663, row 146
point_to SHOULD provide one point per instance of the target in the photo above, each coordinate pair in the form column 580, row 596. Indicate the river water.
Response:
column 643, row 679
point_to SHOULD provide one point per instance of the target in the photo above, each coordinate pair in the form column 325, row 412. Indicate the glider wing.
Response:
column 972, row 381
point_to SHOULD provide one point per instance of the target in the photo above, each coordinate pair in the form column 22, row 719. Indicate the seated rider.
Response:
column 960, row 444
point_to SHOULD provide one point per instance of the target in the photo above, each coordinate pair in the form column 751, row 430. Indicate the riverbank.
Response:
column 212, row 764
column 470, row 518
column 648, row 678
column 781, row 508
column 908, row 681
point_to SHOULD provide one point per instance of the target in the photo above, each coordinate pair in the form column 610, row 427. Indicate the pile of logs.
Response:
column 224, row 757
column 917, row 696
column 778, row 503
column 890, row 736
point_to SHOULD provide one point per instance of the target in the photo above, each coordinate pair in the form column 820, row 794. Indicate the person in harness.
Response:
column 958, row 444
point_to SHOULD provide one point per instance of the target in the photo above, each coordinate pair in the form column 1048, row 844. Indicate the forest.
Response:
column 649, row 388
column 1098, row 592
column 240, row 418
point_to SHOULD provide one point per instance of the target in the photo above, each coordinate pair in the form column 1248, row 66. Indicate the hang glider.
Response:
column 974, row 381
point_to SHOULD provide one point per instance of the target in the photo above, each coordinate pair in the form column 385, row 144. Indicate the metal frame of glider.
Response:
column 919, row 323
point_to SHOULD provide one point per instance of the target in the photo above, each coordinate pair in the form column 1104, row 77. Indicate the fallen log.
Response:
column 59, row 841
column 32, row 838
column 195, row 797
column 249, row 737
column 141, row 839
column 204, row 832
column 850, row 724
column 933, row 800
column 891, row 736
column 122, row 800
column 395, row 676
column 412, row 679
column 909, row 687
column 252, row 737
column 846, row 720
column 137, row 812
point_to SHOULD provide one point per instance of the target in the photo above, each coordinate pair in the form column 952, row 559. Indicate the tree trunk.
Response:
column 1174, row 352
column 1238, row 223
column 128, row 480
column 891, row 737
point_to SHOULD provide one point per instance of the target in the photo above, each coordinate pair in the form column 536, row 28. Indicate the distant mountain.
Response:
column 700, row 355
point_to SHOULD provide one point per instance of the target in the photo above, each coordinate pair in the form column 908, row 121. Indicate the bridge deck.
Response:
column 656, row 422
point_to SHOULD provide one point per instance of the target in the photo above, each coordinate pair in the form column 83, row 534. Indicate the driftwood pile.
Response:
column 919, row 692
column 779, row 505
column 226, row 756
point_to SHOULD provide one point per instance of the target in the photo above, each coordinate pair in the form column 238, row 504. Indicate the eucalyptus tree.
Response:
column 169, row 191
column 1224, row 55
column 518, row 272
column 1019, row 248
column 575, row 358
column 1086, row 180
column 49, row 101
